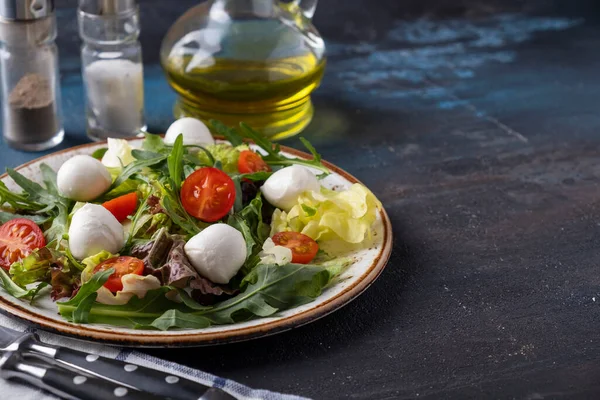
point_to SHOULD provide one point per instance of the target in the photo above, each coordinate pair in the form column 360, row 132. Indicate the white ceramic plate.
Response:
column 357, row 278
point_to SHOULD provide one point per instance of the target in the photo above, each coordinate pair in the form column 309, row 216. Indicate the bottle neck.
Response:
column 109, row 29
column 28, row 33
column 261, row 8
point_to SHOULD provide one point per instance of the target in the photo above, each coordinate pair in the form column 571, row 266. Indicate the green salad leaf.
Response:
column 99, row 153
column 153, row 143
column 36, row 266
column 268, row 289
column 273, row 154
column 45, row 201
column 178, row 319
column 18, row 202
column 82, row 312
column 6, row 216
column 89, row 287
column 175, row 163
column 133, row 168
column 230, row 134
column 17, row 291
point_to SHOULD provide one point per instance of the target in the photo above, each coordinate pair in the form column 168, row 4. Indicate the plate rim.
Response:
column 86, row 332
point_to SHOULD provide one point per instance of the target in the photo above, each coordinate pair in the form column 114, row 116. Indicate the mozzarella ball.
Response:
column 93, row 229
column 83, row 178
column 217, row 253
column 283, row 188
column 193, row 130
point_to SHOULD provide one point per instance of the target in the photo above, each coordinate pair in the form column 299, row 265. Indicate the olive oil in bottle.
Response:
column 257, row 70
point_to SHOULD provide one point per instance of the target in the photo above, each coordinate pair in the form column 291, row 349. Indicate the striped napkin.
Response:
column 11, row 390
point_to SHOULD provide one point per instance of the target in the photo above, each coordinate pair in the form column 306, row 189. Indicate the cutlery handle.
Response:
column 146, row 379
column 66, row 383
column 63, row 381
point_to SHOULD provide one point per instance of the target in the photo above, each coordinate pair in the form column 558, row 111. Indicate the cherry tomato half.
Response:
column 304, row 248
column 123, row 265
column 250, row 162
column 18, row 238
column 208, row 194
column 122, row 206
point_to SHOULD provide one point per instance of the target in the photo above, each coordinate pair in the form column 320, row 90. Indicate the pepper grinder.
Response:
column 31, row 108
column 112, row 68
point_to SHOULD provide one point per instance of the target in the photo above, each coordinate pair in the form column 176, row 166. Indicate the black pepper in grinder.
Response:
column 31, row 109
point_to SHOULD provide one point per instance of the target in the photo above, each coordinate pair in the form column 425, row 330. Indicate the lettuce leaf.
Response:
column 331, row 215
column 224, row 153
column 36, row 266
column 91, row 262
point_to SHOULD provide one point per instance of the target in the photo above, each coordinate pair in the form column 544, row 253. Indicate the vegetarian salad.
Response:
column 182, row 232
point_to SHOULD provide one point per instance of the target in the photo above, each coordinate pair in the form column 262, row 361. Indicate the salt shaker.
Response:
column 112, row 68
column 31, row 109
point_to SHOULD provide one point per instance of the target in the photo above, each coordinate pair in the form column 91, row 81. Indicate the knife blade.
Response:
column 131, row 375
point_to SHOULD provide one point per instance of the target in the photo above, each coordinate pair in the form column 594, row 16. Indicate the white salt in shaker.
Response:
column 112, row 68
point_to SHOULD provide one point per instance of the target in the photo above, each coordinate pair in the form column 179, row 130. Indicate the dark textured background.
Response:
column 477, row 123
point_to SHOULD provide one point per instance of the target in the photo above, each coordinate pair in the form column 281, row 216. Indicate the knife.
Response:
column 130, row 375
column 63, row 382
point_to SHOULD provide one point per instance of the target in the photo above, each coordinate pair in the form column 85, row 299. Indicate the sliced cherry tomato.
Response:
column 123, row 266
column 250, row 162
column 208, row 194
column 122, row 206
column 18, row 238
column 304, row 248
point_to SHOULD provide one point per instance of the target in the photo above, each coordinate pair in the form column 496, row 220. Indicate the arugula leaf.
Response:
column 273, row 288
column 187, row 171
column 89, row 287
column 195, row 159
column 250, row 223
column 140, row 312
column 175, row 162
column 239, row 195
column 82, row 312
column 273, row 156
column 99, row 153
column 130, row 185
column 36, row 290
column 49, row 177
column 230, row 134
column 33, row 189
column 257, row 176
column 19, row 202
column 144, row 155
column 134, row 168
column 136, row 220
column 178, row 319
column 59, row 225
column 17, row 291
column 180, row 217
column 55, row 205
column 6, row 216
column 240, row 224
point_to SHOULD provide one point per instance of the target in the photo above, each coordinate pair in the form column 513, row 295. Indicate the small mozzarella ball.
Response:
column 217, row 253
column 83, row 178
column 94, row 229
column 193, row 130
column 283, row 188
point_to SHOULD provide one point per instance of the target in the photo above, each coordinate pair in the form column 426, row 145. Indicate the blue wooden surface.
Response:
column 477, row 124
